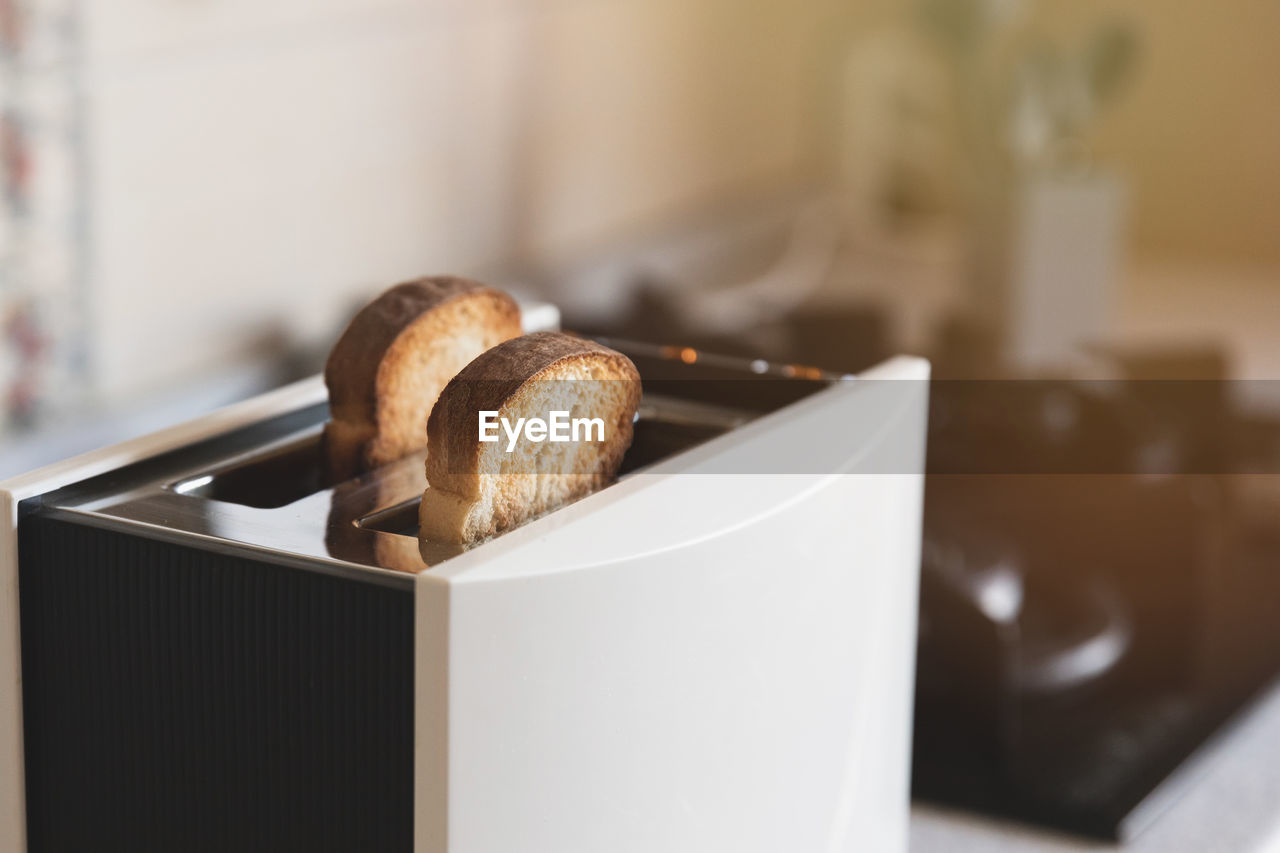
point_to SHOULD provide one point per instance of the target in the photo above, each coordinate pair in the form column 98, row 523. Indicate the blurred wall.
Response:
column 254, row 169
column 643, row 108
column 1199, row 132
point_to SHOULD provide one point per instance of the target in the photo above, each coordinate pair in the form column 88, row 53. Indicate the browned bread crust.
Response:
column 462, row 504
column 395, row 356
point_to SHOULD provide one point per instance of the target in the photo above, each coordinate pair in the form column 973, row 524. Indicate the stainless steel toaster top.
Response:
column 260, row 488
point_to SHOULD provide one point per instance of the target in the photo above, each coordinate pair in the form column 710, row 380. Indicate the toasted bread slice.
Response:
column 395, row 357
column 477, row 489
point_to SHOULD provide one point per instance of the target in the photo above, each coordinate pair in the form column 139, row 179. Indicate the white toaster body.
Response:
column 714, row 654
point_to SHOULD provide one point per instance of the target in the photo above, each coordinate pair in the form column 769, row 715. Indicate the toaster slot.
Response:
column 690, row 397
column 656, row 439
column 272, row 477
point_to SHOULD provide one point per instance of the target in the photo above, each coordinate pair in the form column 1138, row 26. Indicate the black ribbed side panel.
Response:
column 178, row 700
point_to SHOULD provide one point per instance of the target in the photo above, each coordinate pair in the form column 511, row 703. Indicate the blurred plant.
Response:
column 1024, row 99
column 23, row 346
column 1059, row 93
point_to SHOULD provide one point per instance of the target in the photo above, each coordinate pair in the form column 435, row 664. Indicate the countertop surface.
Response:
column 1232, row 803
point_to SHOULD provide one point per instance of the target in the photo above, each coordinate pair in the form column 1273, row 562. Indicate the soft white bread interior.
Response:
column 389, row 366
column 477, row 489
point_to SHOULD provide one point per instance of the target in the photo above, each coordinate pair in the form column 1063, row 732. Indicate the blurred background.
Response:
column 196, row 195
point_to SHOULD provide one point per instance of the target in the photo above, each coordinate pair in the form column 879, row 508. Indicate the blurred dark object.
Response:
column 1073, row 657
column 1183, row 390
column 1098, row 588
column 964, row 349
column 844, row 339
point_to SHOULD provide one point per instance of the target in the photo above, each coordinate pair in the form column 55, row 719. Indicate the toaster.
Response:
column 206, row 647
